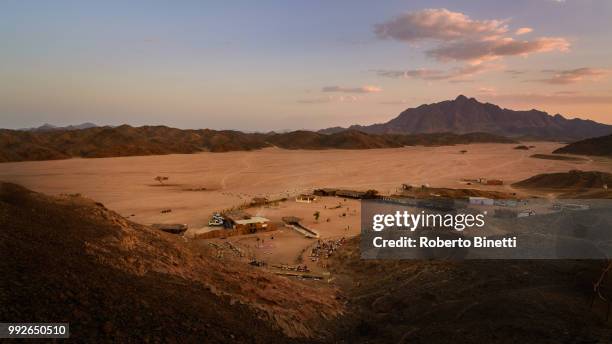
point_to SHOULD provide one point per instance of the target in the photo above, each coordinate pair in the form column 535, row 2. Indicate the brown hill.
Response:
column 464, row 115
column 566, row 180
column 68, row 259
column 354, row 139
column 600, row 146
column 120, row 141
column 350, row 139
column 125, row 140
column 557, row 157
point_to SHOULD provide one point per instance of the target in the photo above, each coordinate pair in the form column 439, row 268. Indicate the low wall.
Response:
column 224, row 233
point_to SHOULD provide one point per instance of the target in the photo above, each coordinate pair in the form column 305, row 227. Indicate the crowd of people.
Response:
column 325, row 248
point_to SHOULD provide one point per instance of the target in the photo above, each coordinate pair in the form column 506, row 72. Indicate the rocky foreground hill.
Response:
column 125, row 140
column 463, row 115
column 69, row 259
column 475, row 301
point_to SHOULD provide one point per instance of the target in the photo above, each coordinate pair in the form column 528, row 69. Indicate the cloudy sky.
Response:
column 273, row 65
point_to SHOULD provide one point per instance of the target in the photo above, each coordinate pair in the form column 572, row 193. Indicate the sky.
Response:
column 277, row 65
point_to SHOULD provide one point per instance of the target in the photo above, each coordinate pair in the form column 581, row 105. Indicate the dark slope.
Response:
column 350, row 139
column 598, row 146
column 68, row 259
column 475, row 301
column 354, row 139
column 464, row 115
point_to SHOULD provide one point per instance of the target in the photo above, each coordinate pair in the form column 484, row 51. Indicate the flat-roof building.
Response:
column 306, row 198
column 242, row 221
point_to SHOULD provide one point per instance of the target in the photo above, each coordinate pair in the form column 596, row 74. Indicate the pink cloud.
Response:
column 485, row 50
column 329, row 99
column 550, row 98
column 440, row 24
column 362, row 89
column 523, row 31
column 457, row 37
column 487, row 91
column 436, row 74
column 570, row 76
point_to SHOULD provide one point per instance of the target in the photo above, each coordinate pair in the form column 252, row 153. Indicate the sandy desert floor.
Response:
column 127, row 184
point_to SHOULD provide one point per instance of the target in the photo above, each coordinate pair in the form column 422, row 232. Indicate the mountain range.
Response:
column 459, row 121
column 465, row 115
column 51, row 127
column 125, row 140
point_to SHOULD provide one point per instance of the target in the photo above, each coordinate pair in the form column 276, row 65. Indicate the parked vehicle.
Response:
column 216, row 220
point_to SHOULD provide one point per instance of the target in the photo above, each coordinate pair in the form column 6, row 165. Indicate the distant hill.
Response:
column 464, row 115
column 125, row 140
column 600, row 146
column 119, row 141
column 354, row 139
column 558, row 157
column 350, row 139
column 567, row 180
column 50, row 127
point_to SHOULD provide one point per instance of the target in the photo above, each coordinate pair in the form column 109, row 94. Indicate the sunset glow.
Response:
column 297, row 65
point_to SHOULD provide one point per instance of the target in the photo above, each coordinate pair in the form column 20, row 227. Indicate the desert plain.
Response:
column 203, row 183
